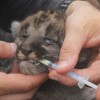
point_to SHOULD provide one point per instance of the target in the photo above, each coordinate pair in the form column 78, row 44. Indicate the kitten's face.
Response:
column 39, row 37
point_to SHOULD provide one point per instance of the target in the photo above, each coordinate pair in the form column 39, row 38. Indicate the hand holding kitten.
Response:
column 82, row 31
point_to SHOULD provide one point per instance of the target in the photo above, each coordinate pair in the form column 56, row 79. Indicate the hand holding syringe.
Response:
column 81, row 80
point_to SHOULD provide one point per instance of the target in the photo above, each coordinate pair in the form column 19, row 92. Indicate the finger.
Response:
column 73, row 43
column 13, row 83
column 98, row 93
column 66, row 80
column 20, row 96
column 63, row 79
column 88, row 72
column 7, row 49
column 76, row 5
column 93, row 72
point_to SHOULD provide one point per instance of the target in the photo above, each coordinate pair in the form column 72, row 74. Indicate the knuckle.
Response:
column 27, row 86
column 67, row 48
column 69, row 52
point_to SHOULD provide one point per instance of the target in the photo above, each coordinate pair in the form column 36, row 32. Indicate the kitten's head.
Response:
column 38, row 37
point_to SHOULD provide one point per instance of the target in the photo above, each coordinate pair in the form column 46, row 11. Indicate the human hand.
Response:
column 82, row 31
column 17, row 86
column 98, row 93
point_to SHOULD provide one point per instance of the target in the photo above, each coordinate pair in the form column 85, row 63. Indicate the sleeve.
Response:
column 11, row 10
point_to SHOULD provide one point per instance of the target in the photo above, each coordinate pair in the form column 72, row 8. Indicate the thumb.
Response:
column 69, row 54
column 98, row 93
column 7, row 49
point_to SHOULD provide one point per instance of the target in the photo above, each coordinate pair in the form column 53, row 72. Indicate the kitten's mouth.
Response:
column 35, row 62
column 32, row 67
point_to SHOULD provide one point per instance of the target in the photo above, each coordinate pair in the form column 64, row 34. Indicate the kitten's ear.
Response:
column 15, row 27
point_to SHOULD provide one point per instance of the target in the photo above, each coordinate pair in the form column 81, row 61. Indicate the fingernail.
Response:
column 13, row 47
column 62, row 64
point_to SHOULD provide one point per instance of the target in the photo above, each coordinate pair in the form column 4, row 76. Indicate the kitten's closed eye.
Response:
column 48, row 41
column 24, row 36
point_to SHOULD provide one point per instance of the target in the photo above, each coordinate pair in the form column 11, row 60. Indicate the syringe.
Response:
column 81, row 80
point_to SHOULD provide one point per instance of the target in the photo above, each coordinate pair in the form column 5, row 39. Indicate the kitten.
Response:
column 40, row 36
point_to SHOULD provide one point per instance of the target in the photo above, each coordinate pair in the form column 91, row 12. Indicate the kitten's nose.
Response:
column 26, row 50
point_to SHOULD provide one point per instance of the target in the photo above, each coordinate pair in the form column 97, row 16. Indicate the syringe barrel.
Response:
column 74, row 76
